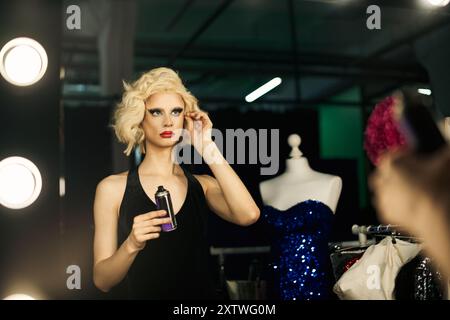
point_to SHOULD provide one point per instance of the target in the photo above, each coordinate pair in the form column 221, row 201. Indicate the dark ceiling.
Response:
column 225, row 49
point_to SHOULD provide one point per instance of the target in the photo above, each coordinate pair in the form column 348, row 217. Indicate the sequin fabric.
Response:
column 300, row 264
column 426, row 282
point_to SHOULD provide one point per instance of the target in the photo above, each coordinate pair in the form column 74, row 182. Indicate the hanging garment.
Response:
column 419, row 280
column 373, row 276
column 341, row 261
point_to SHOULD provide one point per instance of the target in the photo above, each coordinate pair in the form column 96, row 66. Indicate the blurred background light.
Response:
column 447, row 127
column 62, row 186
column 439, row 3
column 263, row 89
column 20, row 182
column 23, row 61
column 19, row 296
column 424, row 91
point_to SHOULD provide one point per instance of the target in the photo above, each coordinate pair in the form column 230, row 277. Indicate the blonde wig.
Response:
column 130, row 112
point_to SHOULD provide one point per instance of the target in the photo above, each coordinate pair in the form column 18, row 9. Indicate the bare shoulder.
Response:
column 113, row 182
column 112, row 187
column 205, row 180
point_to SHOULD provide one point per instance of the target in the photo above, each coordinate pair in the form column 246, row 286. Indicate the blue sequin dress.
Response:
column 300, row 266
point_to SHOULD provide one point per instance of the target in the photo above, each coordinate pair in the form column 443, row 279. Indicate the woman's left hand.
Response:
column 199, row 126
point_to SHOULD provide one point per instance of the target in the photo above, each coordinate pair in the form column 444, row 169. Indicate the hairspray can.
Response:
column 164, row 202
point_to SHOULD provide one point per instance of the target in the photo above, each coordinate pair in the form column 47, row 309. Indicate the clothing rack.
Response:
column 380, row 230
column 375, row 230
column 349, row 245
column 223, row 252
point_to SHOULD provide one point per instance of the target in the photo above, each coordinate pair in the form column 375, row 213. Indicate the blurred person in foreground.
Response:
column 413, row 191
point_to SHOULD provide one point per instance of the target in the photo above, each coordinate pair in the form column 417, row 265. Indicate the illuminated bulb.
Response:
column 439, row 3
column 19, row 296
column 426, row 92
column 20, row 182
column 62, row 187
column 23, row 61
column 263, row 89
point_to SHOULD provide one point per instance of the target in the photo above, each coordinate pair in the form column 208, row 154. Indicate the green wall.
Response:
column 341, row 136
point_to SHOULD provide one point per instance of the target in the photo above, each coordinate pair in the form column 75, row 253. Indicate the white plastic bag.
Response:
column 373, row 276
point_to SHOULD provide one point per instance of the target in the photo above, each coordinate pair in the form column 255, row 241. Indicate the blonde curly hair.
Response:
column 130, row 112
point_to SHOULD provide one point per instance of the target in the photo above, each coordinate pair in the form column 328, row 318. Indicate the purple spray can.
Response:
column 164, row 202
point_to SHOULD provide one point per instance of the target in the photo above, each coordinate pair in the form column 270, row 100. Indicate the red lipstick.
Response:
column 166, row 134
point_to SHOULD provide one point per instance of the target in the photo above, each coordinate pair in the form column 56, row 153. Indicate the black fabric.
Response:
column 418, row 280
column 177, row 264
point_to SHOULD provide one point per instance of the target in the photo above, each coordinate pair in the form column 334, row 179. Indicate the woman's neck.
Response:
column 158, row 161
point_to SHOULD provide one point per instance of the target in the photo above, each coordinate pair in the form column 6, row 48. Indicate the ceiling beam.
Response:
column 200, row 31
column 269, row 70
column 377, row 54
column 220, row 100
column 155, row 49
column 179, row 14
column 397, row 4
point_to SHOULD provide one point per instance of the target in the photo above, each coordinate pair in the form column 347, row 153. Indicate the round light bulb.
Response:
column 23, row 61
column 20, row 182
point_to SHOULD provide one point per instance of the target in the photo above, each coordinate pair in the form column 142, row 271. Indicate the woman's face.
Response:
column 164, row 119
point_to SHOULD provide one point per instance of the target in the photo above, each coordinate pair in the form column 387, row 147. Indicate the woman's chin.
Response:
column 167, row 142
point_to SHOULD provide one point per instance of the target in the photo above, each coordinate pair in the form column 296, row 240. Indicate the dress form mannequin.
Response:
column 300, row 183
column 299, row 208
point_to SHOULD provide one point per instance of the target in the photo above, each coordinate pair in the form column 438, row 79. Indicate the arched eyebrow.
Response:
column 160, row 110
